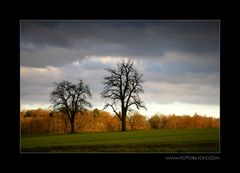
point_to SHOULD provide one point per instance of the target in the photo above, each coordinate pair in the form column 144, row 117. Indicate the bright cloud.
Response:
column 182, row 109
column 26, row 71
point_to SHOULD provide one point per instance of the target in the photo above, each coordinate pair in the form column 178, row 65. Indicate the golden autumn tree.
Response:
column 138, row 121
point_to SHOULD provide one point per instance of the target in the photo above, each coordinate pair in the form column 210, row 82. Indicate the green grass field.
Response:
column 180, row 140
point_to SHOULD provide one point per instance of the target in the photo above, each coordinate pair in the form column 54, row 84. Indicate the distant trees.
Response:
column 70, row 99
column 39, row 122
column 155, row 122
column 182, row 122
column 122, row 88
column 138, row 121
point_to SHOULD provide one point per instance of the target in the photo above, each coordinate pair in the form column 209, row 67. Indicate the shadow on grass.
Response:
column 163, row 148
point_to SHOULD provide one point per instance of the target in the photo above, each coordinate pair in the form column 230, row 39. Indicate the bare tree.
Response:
column 122, row 87
column 70, row 99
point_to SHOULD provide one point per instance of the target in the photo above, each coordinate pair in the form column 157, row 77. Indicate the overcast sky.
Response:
column 180, row 61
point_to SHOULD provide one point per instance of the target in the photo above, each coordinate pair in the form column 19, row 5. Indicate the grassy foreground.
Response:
column 180, row 140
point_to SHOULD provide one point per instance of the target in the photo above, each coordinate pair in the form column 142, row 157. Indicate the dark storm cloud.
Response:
column 180, row 60
column 177, row 68
column 140, row 39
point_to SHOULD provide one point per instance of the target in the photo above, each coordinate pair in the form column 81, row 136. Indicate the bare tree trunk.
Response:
column 123, row 125
column 72, row 125
column 123, row 121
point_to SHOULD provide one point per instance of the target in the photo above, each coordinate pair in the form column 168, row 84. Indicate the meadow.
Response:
column 158, row 140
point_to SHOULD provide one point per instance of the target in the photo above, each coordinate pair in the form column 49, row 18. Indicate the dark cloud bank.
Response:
column 180, row 60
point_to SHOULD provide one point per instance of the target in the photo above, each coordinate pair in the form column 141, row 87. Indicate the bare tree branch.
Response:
column 70, row 98
column 123, row 85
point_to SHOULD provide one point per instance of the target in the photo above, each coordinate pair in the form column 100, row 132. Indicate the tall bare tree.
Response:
column 122, row 88
column 70, row 99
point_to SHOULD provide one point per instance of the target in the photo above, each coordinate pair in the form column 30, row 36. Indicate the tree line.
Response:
column 40, row 121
